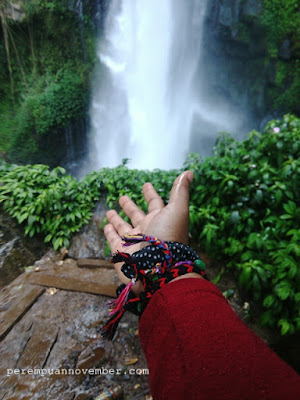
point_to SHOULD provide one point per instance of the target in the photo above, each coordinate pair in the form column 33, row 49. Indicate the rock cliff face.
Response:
column 13, row 10
column 236, row 54
column 90, row 242
column 230, row 12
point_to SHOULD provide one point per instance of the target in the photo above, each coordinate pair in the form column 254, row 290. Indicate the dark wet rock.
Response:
column 228, row 12
column 271, row 76
column 231, row 12
column 90, row 241
column 16, row 250
column 235, row 56
column 91, row 355
column 285, row 51
column 252, row 7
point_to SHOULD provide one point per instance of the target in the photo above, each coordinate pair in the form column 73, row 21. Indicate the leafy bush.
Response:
column 122, row 181
column 48, row 202
column 59, row 100
column 57, row 205
column 243, row 210
column 281, row 18
column 281, row 21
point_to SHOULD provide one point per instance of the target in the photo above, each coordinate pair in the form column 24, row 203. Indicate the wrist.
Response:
column 189, row 275
column 148, row 270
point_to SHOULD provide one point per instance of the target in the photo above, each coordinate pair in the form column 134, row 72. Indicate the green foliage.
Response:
column 122, row 181
column 281, row 18
column 35, row 6
column 48, row 202
column 287, row 91
column 54, row 101
column 50, row 103
column 281, row 21
column 56, row 205
column 52, row 57
column 244, row 210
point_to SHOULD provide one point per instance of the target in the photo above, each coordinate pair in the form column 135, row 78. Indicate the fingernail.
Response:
column 190, row 176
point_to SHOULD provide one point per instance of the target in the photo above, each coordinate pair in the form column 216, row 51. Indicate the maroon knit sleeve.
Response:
column 197, row 348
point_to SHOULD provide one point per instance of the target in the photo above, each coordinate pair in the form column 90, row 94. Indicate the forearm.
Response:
column 196, row 345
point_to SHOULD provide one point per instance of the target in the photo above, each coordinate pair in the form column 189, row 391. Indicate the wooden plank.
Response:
column 92, row 263
column 43, row 339
column 15, row 302
column 103, row 282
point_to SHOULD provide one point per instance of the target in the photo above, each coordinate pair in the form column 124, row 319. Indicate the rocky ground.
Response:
column 16, row 250
column 47, row 328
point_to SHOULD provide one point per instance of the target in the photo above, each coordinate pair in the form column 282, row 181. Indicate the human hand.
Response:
column 168, row 223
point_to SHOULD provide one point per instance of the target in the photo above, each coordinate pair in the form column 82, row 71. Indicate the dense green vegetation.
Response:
column 57, row 205
column 281, row 20
column 243, row 209
column 45, row 64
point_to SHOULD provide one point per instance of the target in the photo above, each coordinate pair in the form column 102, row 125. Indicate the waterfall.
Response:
column 148, row 103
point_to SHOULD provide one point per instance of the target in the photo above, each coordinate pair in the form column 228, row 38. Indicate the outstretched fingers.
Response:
column 114, row 241
column 152, row 198
column 135, row 214
column 121, row 227
column 115, row 244
column 112, row 237
column 179, row 195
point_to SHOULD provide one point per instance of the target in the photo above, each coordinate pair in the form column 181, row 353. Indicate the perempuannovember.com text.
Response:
column 76, row 371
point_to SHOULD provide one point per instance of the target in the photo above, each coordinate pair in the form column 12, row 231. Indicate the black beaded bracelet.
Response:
column 155, row 266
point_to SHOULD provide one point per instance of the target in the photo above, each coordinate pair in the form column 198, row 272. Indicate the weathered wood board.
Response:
column 50, row 320
column 15, row 301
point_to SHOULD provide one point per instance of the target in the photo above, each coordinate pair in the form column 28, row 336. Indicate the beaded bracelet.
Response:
column 155, row 266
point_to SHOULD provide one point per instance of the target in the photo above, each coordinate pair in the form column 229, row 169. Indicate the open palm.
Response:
column 168, row 223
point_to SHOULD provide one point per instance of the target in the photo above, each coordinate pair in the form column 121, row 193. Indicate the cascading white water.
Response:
column 143, row 98
column 150, row 100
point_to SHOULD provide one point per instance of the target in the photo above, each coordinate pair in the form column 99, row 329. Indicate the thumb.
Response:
column 179, row 195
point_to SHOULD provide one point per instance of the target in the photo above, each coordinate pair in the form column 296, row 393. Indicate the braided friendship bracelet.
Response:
column 155, row 266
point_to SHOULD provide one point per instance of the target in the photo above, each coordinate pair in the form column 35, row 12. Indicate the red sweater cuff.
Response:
column 197, row 348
